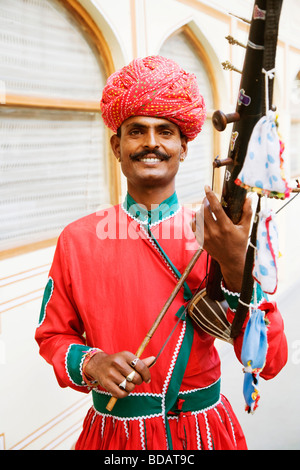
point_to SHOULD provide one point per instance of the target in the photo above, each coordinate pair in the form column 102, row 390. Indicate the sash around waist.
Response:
column 136, row 406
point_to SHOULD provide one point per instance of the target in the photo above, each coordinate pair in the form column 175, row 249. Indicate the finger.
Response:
column 123, row 364
column 130, row 376
column 137, row 375
column 127, row 368
column 197, row 226
column 142, row 368
column 209, row 215
column 136, row 370
column 198, row 219
column 126, row 386
column 149, row 361
column 133, row 376
column 119, row 387
column 213, row 208
column 246, row 214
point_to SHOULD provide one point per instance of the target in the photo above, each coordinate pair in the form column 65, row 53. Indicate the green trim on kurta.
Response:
column 74, row 360
column 132, row 406
column 46, row 297
column 166, row 209
column 232, row 298
column 208, row 397
column 146, row 406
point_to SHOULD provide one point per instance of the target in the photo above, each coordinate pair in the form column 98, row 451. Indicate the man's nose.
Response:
column 151, row 139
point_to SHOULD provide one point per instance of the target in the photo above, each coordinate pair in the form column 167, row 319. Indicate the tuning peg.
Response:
column 220, row 119
column 217, row 163
column 240, row 18
column 228, row 66
column 233, row 41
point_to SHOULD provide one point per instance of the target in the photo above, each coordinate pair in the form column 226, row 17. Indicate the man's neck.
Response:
column 150, row 198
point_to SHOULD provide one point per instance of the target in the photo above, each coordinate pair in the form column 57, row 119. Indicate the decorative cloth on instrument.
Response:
column 263, row 171
column 266, row 253
column 253, row 356
column 154, row 86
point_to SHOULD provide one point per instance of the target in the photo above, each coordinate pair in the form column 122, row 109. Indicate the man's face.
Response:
column 150, row 150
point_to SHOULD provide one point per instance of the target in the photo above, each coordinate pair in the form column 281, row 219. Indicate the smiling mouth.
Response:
column 150, row 157
column 150, row 160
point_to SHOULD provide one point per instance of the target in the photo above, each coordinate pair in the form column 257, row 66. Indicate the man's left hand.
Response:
column 223, row 240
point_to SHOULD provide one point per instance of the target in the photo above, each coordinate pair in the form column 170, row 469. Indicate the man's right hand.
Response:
column 111, row 370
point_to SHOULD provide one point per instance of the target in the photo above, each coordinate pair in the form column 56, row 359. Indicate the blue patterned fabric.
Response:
column 262, row 171
column 253, row 356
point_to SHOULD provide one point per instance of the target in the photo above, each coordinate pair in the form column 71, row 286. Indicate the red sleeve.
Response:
column 60, row 331
column 277, row 352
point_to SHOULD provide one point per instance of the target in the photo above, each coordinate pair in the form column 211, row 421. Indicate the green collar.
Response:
column 165, row 210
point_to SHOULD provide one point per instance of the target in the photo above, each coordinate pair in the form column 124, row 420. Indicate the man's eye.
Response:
column 135, row 132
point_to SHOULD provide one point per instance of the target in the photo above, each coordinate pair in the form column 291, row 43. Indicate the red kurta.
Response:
column 108, row 282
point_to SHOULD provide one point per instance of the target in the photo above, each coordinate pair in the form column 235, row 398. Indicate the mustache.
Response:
column 143, row 153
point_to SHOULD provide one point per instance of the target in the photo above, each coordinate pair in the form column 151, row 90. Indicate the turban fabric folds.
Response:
column 157, row 87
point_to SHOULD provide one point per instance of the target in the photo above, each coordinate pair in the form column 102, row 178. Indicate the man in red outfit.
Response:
column 106, row 287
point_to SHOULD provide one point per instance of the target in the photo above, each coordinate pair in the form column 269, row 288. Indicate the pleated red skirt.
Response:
column 215, row 428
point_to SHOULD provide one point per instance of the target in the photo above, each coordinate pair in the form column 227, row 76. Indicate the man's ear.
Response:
column 115, row 145
column 184, row 147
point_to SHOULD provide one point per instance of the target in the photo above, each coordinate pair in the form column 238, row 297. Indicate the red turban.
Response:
column 154, row 86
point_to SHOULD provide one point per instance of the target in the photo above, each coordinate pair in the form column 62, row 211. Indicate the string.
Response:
column 208, row 256
column 268, row 75
column 290, row 200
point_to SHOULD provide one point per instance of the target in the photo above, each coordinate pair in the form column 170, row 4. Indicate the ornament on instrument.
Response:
column 263, row 170
column 266, row 253
column 258, row 13
column 253, row 356
column 243, row 98
column 234, row 136
column 254, row 351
